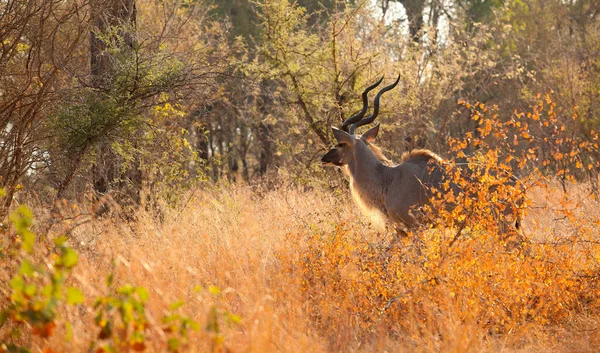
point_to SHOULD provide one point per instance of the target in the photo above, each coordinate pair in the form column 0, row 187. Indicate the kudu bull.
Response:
column 392, row 193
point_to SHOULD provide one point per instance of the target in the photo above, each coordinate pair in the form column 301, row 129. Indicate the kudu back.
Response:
column 384, row 191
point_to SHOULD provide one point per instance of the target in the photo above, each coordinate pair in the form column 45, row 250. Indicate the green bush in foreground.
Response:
column 37, row 291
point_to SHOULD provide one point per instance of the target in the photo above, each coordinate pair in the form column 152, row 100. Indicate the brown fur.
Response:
column 420, row 153
column 379, row 153
column 424, row 154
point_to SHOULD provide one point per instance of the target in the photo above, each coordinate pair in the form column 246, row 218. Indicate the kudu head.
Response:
column 342, row 153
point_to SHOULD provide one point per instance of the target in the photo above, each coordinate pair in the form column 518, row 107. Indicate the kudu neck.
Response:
column 367, row 178
column 365, row 168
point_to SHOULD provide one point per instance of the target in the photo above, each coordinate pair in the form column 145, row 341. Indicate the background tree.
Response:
column 113, row 33
column 40, row 43
column 132, row 111
column 104, row 112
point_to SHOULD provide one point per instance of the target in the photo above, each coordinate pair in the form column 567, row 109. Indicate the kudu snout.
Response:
column 333, row 157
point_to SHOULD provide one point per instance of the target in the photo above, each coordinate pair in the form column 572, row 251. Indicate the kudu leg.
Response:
column 511, row 230
column 403, row 235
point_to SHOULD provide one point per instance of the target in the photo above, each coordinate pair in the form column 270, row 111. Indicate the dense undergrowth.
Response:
column 301, row 271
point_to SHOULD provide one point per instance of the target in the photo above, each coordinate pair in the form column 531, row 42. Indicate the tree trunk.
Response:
column 107, row 14
column 414, row 12
column 266, row 148
column 202, row 143
column 264, row 134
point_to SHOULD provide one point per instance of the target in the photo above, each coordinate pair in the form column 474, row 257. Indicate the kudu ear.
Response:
column 342, row 136
column 371, row 134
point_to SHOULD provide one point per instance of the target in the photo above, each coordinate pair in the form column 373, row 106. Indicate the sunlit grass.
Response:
column 305, row 272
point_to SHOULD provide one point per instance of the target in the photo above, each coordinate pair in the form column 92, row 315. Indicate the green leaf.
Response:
column 22, row 219
column 234, row 318
column 127, row 312
column 214, row 290
column 126, row 289
column 69, row 258
column 107, row 349
column 17, row 283
column 60, row 241
column 69, row 331
column 28, row 240
column 26, row 268
column 47, row 290
column 169, row 318
column 138, row 336
column 178, row 304
column 142, row 294
column 30, row 290
column 74, row 296
column 25, row 213
column 173, row 344
column 194, row 325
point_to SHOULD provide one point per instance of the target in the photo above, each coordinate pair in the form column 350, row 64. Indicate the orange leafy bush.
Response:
column 468, row 262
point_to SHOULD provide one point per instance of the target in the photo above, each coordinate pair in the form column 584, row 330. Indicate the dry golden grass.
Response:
column 254, row 247
column 227, row 238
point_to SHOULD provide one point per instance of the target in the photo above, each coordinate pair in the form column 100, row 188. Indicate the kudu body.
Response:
column 393, row 193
